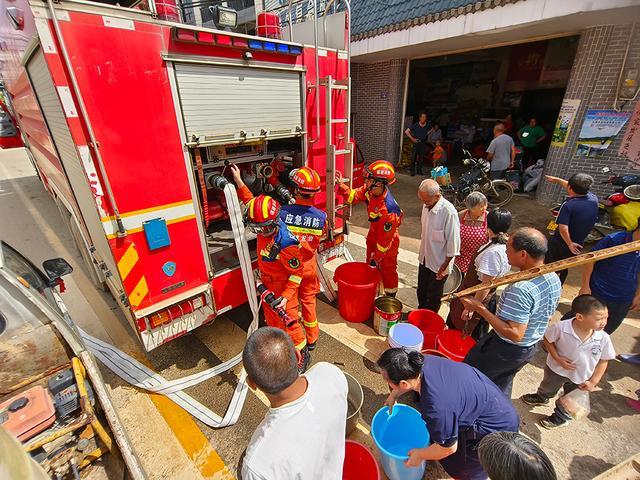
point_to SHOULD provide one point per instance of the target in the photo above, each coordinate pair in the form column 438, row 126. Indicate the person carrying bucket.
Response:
column 280, row 261
column 458, row 403
column 385, row 216
column 308, row 224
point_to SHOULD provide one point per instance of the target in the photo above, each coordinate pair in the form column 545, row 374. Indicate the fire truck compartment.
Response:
column 222, row 250
column 221, row 104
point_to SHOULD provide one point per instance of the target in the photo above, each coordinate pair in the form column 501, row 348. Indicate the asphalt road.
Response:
column 173, row 445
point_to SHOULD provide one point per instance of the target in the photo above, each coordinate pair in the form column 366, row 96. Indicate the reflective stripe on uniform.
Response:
column 313, row 324
column 311, row 231
column 381, row 248
column 295, row 279
column 301, row 345
column 352, row 195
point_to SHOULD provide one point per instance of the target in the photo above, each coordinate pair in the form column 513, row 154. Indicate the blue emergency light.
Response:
column 255, row 44
column 269, row 46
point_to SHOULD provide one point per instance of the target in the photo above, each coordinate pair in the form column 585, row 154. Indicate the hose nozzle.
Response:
column 215, row 180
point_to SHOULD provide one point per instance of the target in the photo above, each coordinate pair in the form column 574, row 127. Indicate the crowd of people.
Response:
column 428, row 145
column 466, row 406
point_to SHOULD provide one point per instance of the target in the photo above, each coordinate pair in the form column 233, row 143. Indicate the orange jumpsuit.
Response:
column 383, row 239
column 308, row 224
column 280, row 262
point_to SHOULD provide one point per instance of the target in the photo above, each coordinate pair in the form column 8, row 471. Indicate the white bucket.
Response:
column 405, row 335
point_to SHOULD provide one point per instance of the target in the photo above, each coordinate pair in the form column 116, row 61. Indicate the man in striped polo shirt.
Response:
column 522, row 315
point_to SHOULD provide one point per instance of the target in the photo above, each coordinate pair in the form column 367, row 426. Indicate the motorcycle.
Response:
column 610, row 210
column 498, row 192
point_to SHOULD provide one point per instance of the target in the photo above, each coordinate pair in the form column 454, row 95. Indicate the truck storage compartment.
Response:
column 265, row 168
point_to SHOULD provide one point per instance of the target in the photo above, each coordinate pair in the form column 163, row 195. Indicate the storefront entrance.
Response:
column 466, row 94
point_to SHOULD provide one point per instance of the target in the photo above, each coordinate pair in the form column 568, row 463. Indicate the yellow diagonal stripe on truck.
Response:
column 139, row 293
column 127, row 262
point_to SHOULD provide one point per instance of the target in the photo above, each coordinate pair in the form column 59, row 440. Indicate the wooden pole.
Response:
column 576, row 261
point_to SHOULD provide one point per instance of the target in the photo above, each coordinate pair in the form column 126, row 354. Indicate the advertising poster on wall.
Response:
column 630, row 147
column 564, row 123
column 598, row 129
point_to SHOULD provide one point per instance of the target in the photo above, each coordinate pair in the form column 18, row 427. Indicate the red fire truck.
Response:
column 132, row 115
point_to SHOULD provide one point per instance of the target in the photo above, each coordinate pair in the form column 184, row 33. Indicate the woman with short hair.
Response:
column 473, row 228
column 488, row 263
column 458, row 404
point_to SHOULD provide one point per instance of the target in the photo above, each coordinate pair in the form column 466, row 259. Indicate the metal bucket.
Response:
column 453, row 281
column 355, row 399
column 387, row 312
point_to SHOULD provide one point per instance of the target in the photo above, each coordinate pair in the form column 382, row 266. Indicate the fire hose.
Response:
column 141, row 376
column 268, row 297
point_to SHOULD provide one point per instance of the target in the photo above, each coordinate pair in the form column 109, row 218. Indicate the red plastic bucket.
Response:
column 268, row 25
column 454, row 345
column 357, row 287
column 359, row 463
column 430, row 323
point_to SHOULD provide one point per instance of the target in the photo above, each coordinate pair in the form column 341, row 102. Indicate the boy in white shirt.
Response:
column 579, row 351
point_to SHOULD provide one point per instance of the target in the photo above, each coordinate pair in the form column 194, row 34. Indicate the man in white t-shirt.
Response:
column 579, row 351
column 303, row 434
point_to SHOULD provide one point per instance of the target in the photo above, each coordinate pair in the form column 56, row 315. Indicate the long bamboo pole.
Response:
column 576, row 261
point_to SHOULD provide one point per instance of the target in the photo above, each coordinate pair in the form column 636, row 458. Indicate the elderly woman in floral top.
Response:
column 473, row 229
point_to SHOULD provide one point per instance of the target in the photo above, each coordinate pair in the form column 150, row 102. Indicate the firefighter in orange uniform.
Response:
column 280, row 260
column 308, row 224
column 385, row 217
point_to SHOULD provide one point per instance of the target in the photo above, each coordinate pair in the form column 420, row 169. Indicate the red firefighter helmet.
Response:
column 262, row 214
column 381, row 171
column 306, row 179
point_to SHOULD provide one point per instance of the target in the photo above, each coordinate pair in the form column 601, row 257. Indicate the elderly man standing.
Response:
column 302, row 435
column 439, row 244
column 522, row 316
column 501, row 153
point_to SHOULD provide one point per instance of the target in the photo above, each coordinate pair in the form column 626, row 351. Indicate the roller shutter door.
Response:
column 220, row 102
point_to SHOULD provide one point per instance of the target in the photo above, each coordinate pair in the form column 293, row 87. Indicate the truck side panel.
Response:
column 69, row 154
column 128, row 99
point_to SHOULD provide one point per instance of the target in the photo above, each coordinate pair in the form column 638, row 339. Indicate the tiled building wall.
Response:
column 377, row 97
column 594, row 80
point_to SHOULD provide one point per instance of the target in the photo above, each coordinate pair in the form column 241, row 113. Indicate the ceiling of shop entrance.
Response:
column 520, row 22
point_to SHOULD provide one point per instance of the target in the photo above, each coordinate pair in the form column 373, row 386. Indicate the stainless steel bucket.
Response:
column 453, row 281
column 355, row 399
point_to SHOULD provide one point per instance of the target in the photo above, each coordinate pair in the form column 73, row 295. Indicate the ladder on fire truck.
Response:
column 334, row 89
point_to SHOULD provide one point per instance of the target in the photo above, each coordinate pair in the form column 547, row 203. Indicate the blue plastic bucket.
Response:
column 395, row 435
column 407, row 336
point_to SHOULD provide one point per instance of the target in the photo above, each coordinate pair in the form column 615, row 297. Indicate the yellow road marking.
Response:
column 193, row 441
column 127, row 261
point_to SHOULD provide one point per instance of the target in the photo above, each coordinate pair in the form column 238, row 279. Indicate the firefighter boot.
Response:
column 304, row 360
